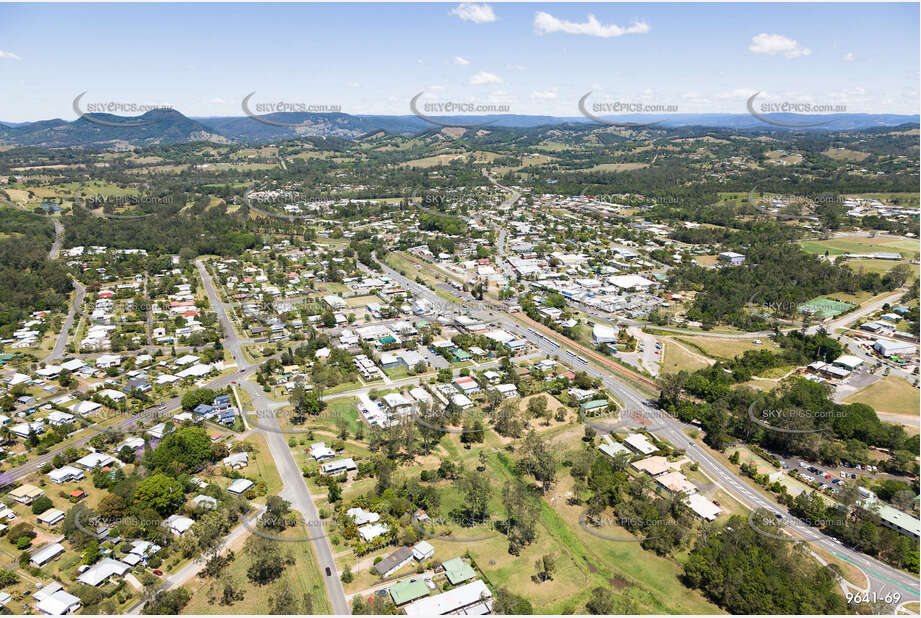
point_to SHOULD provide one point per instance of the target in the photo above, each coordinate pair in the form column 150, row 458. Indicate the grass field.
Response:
column 616, row 167
column 717, row 347
column 878, row 266
column 263, row 464
column 675, row 359
column 843, row 154
column 302, row 577
column 890, row 394
column 859, row 244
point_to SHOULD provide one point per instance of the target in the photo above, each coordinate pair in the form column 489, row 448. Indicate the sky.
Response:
column 533, row 58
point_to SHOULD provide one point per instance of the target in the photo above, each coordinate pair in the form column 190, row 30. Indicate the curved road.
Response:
column 882, row 577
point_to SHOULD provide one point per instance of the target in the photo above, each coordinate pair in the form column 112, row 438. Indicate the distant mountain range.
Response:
column 170, row 127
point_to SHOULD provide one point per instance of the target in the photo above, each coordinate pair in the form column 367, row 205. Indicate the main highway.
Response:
column 883, row 578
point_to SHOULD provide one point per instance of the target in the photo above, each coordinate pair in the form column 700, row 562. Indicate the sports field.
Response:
column 825, row 307
column 861, row 244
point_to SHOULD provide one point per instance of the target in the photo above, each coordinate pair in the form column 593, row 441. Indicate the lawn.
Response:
column 263, row 464
column 890, row 394
column 303, row 577
column 717, row 347
column 878, row 266
column 859, row 244
column 675, row 359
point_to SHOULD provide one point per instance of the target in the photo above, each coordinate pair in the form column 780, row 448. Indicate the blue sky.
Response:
column 202, row 59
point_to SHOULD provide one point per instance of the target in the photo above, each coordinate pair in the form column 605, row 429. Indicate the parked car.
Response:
column 328, row 572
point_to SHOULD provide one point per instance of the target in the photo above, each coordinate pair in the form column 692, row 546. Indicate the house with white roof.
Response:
column 100, row 572
column 53, row 600
column 65, row 474
column 469, row 599
column 95, row 459
column 85, row 407
column 361, row 516
column 369, row 532
column 640, row 443
column 177, row 524
column 108, row 360
column 46, row 554
column 320, row 452
column 240, row 486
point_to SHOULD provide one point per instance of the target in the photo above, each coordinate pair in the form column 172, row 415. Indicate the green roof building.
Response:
column 458, row 571
column 408, row 590
column 461, row 355
column 594, row 404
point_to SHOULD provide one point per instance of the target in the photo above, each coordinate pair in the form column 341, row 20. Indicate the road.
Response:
column 58, row 240
column 125, row 425
column 60, row 344
column 882, row 577
column 194, row 567
column 295, row 488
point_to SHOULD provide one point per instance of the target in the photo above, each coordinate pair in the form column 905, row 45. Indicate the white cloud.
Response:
column 517, row 67
column 544, row 94
column 461, row 61
column 477, row 13
column 353, row 85
column 737, row 93
column 485, row 78
column 218, row 101
column 545, row 23
column 849, row 57
column 774, row 44
column 9, row 55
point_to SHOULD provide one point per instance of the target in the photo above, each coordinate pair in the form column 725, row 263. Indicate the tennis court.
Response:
column 825, row 307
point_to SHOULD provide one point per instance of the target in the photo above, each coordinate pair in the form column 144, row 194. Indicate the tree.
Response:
column 540, row 459
column 126, row 454
column 167, row 603
column 276, row 513
column 507, row 603
column 537, row 406
column 266, row 562
column 282, row 602
column 601, row 602
column 198, row 396
column 41, row 504
column 477, row 491
column 162, row 493
column 185, row 450
column 544, row 566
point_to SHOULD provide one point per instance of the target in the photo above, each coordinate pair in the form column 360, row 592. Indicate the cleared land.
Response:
column 891, row 394
column 859, row 244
